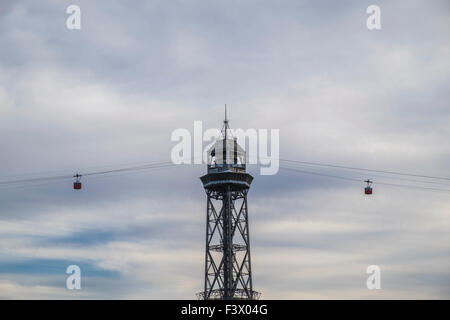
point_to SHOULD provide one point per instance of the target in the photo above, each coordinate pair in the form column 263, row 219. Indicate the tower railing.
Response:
column 216, row 168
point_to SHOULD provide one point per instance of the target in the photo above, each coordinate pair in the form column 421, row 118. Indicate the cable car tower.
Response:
column 228, row 273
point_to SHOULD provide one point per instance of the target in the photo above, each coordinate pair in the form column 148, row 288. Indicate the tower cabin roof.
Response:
column 226, row 163
column 226, row 155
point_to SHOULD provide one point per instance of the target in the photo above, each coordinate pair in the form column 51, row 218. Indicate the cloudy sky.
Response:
column 110, row 95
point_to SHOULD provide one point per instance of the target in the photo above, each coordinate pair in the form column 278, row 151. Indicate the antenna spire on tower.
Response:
column 225, row 124
column 226, row 120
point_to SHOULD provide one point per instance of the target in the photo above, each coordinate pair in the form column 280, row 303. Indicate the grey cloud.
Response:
column 112, row 93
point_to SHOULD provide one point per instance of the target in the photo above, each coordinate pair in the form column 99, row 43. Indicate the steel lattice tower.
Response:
column 227, row 258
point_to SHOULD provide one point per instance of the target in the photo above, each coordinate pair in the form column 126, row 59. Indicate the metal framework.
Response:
column 227, row 259
column 228, row 272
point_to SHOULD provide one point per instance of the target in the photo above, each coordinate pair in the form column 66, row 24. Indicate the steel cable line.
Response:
column 92, row 176
column 365, row 169
column 142, row 167
column 280, row 159
column 65, row 177
column 362, row 180
column 321, row 174
column 36, row 179
column 31, row 185
column 389, row 177
column 411, row 186
column 163, row 164
column 309, row 163
column 79, row 169
column 354, row 168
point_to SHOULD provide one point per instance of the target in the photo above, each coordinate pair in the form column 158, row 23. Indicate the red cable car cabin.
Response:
column 368, row 189
column 77, row 183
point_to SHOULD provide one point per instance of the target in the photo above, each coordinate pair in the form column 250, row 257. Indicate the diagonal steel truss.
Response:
column 227, row 259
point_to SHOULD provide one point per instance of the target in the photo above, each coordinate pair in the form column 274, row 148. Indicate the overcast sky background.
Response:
column 111, row 94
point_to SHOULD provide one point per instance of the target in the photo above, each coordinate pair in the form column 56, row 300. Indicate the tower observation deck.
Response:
column 228, row 273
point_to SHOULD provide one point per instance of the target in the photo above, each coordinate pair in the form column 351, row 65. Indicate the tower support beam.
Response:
column 227, row 252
